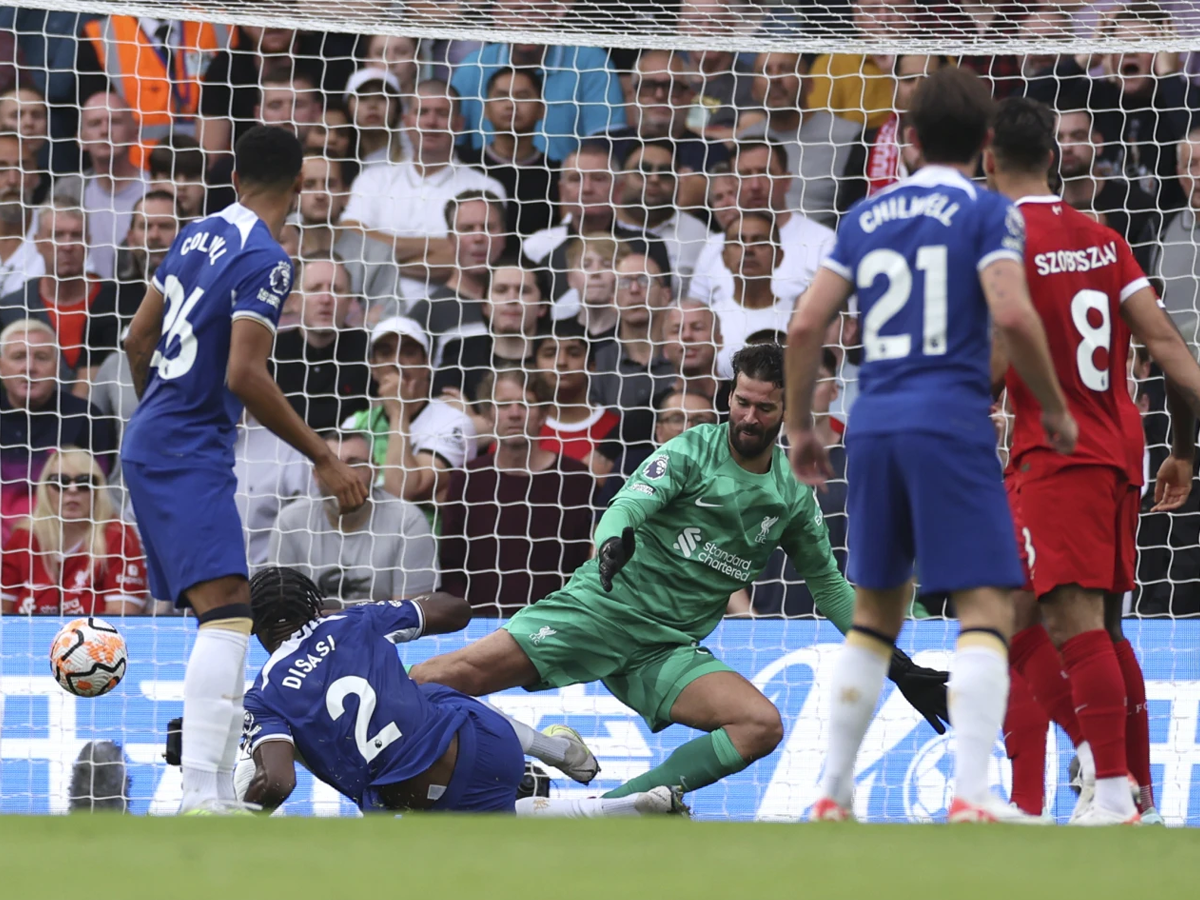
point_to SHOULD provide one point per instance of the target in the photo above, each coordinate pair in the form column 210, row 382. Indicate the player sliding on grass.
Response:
column 335, row 695
column 697, row 522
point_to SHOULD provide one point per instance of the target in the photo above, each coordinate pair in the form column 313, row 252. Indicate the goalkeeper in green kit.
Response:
column 696, row 523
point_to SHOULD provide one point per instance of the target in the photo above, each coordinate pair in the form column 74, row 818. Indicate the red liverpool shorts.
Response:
column 1127, row 525
column 1078, row 522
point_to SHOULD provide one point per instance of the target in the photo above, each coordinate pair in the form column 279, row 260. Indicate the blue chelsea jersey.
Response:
column 337, row 690
column 914, row 253
column 220, row 268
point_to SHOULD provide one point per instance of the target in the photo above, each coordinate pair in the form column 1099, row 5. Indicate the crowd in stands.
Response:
column 519, row 269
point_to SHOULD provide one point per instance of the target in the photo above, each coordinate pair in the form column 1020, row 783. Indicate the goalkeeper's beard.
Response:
column 752, row 441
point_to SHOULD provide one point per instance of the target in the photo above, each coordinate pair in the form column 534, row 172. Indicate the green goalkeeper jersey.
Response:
column 705, row 528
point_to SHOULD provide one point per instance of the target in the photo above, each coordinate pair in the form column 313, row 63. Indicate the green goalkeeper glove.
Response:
column 924, row 689
column 614, row 553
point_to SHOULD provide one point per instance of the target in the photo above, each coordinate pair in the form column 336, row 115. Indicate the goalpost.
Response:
column 726, row 71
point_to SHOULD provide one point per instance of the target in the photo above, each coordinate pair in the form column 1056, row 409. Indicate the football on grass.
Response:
column 88, row 657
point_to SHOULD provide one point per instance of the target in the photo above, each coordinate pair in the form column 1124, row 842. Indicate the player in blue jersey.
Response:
column 198, row 349
column 335, row 695
column 929, row 259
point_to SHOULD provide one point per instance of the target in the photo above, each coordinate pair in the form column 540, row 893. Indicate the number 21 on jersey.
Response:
column 931, row 261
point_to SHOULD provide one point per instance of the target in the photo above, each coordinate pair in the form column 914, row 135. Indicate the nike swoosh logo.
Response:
column 700, row 502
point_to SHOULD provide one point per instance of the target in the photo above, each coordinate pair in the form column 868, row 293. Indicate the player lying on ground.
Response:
column 697, row 522
column 1078, row 515
column 335, row 697
column 930, row 259
column 198, row 349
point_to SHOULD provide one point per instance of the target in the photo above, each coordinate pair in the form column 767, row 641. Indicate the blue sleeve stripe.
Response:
column 837, row 268
column 260, row 319
column 997, row 255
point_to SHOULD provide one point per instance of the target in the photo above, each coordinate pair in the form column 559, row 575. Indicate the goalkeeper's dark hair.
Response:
column 952, row 111
column 760, row 362
column 269, row 157
column 1024, row 136
column 281, row 600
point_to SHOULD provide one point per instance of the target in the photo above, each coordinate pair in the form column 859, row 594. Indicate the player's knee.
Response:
column 762, row 731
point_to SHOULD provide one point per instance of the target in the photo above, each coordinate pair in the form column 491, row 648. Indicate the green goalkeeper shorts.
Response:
column 646, row 667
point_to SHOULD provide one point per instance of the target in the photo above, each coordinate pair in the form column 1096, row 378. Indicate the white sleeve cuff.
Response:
column 1133, row 287
column 996, row 256
column 837, row 268
column 260, row 319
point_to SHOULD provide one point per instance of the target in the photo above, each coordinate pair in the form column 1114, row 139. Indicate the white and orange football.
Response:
column 88, row 657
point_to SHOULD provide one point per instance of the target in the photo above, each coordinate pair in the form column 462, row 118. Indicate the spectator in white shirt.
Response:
column 384, row 550
column 19, row 257
column 763, row 184
column 752, row 253
column 270, row 474
column 648, row 203
column 403, row 204
column 112, row 185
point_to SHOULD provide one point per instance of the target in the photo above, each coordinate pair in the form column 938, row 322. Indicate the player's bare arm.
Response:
column 816, row 309
column 249, row 378
column 443, row 613
column 1152, row 326
column 274, row 774
column 144, row 334
column 1007, row 295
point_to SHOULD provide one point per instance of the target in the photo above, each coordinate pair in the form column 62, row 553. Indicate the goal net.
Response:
column 531, row 236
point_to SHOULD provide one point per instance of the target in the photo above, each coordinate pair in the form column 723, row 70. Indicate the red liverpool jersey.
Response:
column 85, row 583
column 1079, row 272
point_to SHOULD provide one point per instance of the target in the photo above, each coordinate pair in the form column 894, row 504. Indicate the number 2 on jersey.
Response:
column 176, row 325
column 932, row 261
column 335, row 704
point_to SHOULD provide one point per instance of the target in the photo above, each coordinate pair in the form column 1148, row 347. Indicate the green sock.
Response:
column 696, row 764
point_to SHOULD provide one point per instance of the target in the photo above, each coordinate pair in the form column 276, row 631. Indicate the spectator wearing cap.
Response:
column 516, row 304
column 516, row 522
column 763, row 186
column 416, row 441
column 649, row 203
column 577, row 428
column 373, row 104
column 403, row 204
column 382, row 551
column 587, row 193
column 692, row 341
column 663, row 97
column 176, row 166
column 38, row 416
column 513, row 108
column 81, row 309
column 476, row 222
column 581, row 90
column 322, row 366
column 631, row 371
column 816, row 142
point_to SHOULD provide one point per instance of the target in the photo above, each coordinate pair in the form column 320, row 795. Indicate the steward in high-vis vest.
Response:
column 155, row 65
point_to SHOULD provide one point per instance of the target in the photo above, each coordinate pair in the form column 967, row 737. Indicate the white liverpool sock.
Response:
column 858, row 675
column 229, row 759
column 588, row 808
column 217, row 663
column 978, row 696
column 552, row 750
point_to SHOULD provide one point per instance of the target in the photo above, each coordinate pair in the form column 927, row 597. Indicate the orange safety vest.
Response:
column 137, row 70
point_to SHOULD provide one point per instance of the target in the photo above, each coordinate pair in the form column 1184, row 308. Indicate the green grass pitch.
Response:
column 492, row 858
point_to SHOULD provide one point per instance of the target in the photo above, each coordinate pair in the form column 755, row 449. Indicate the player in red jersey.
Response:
column 1090, row 294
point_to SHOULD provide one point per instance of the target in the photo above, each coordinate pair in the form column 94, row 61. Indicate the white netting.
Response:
column 639, row 211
